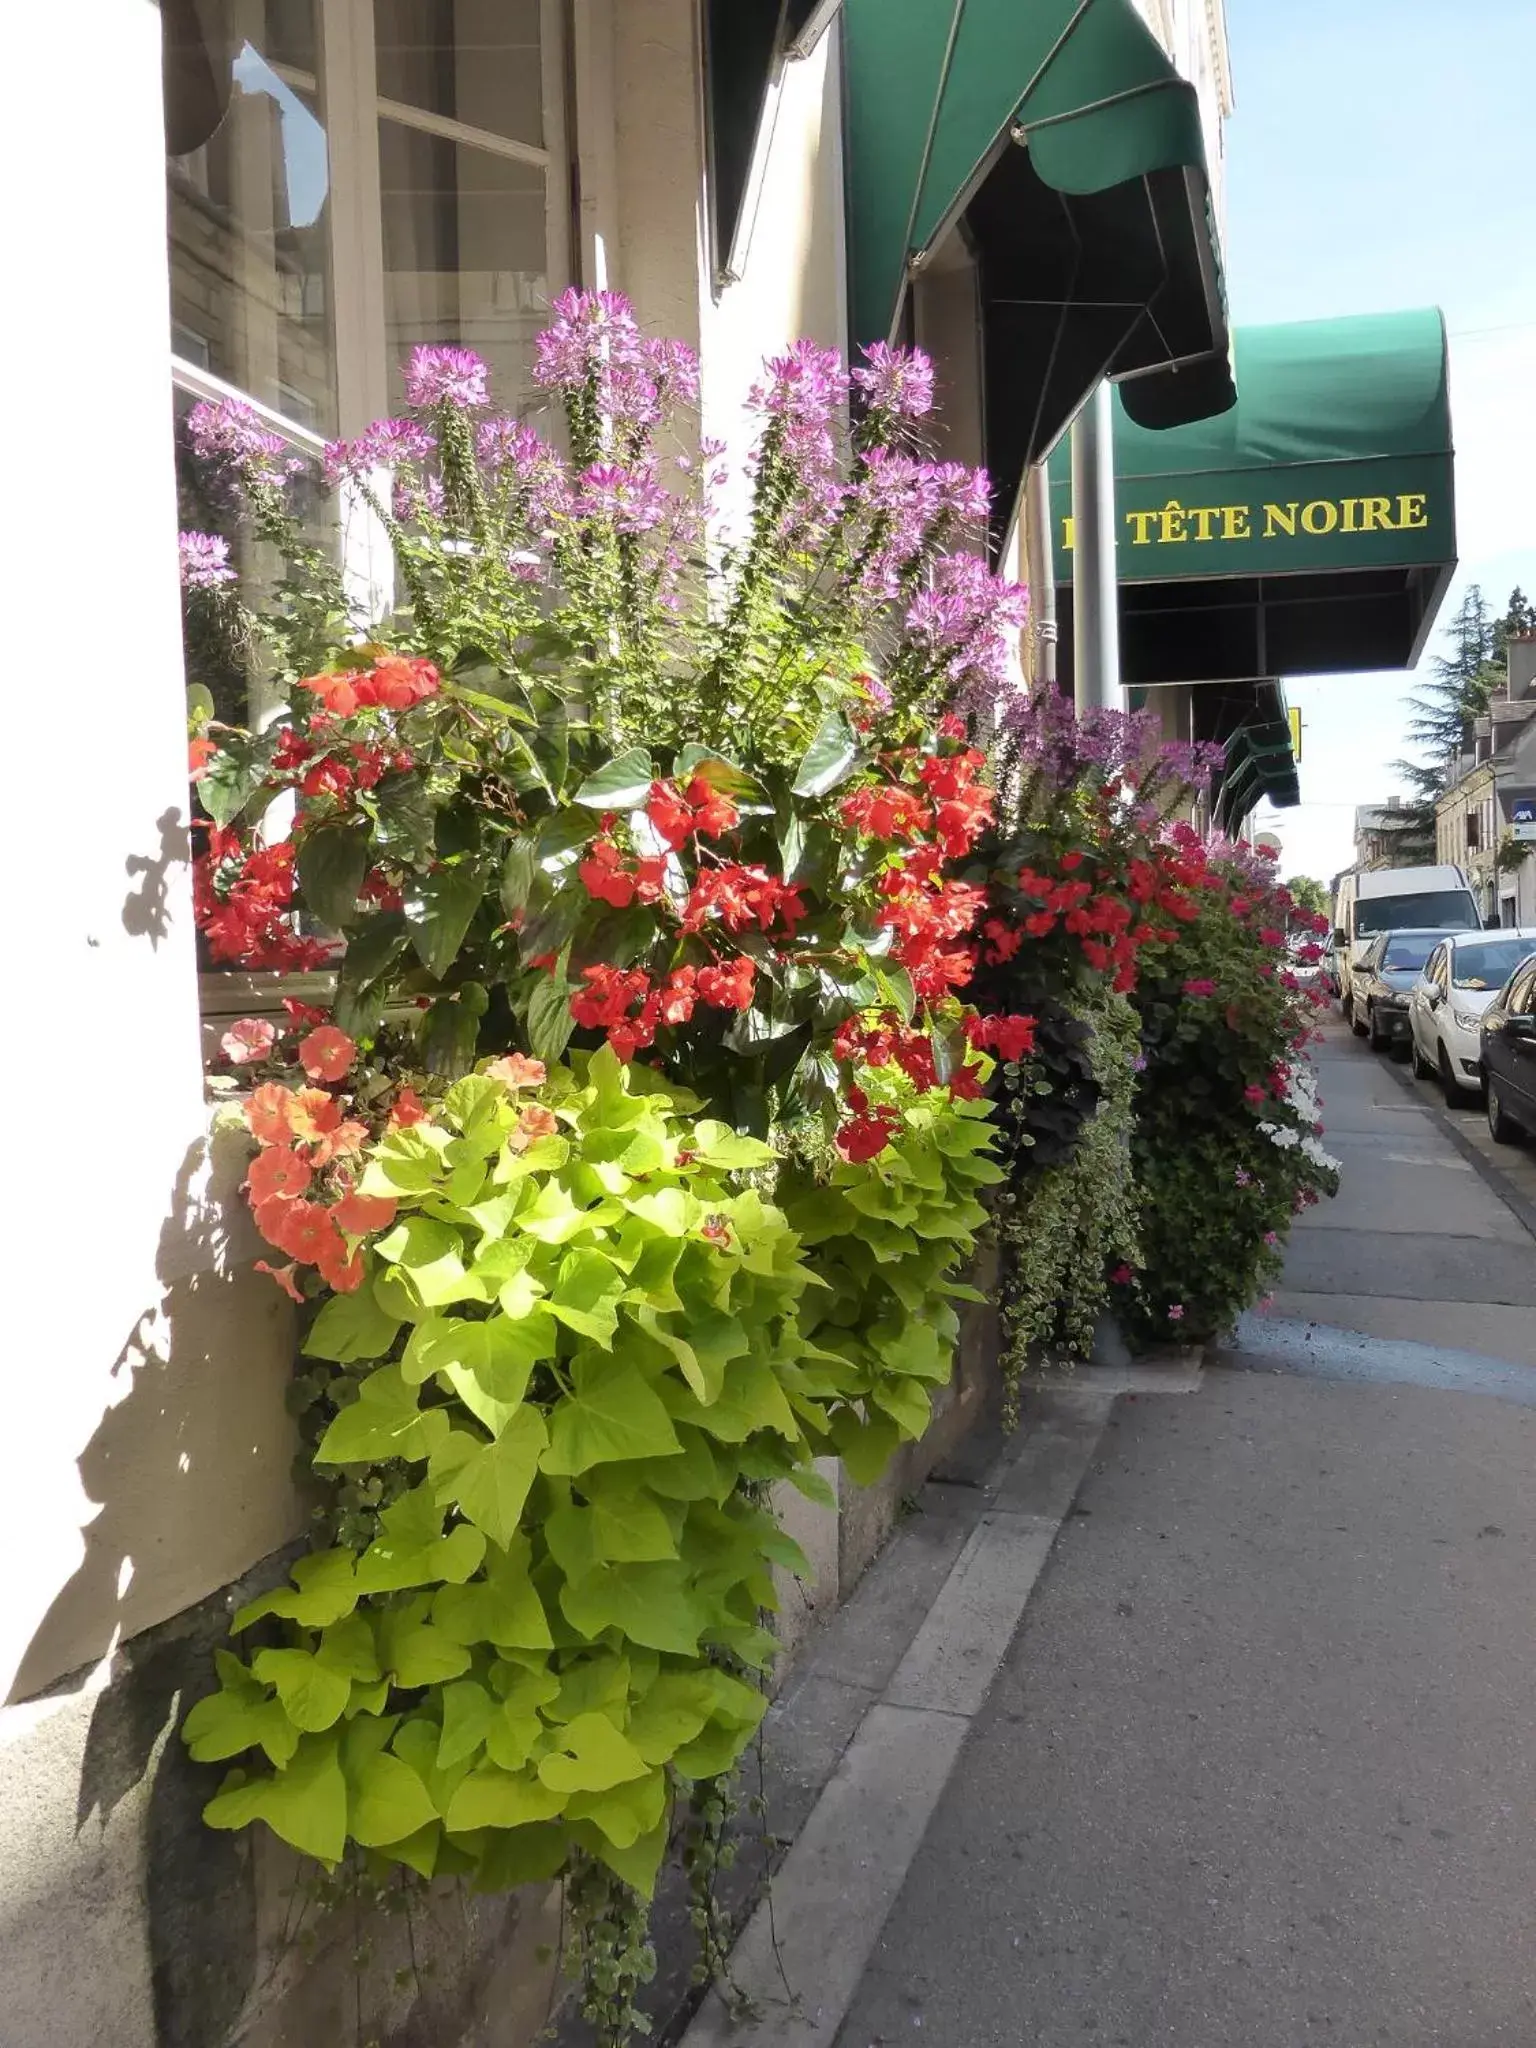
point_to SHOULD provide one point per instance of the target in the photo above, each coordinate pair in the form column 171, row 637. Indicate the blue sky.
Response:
column 1380, row 157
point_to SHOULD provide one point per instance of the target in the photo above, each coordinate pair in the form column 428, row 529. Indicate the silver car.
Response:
column 1445, row 1007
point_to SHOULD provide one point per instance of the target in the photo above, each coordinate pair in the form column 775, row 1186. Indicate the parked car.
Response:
column 1461, row 979
column 1509, row 1055
column 1380, row 984
column 1370, row 901
column 1308, row 973
column 1330, row 966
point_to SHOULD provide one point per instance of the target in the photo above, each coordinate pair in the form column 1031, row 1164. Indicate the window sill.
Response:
column 224, row 997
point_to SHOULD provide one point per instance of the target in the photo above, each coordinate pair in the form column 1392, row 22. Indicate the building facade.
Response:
column 1486, row 820
column 280, row 198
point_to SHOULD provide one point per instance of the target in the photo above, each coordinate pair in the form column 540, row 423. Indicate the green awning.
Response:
column 1064, row 136
column 1259, row 763
column 1311, row 529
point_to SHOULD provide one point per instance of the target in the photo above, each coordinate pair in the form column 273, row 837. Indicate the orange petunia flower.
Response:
column 312, row 1115
column 358, row 1214
column 342, row 1274
column 278, row 1174
column 268, row 1112
column 327, row 1053
column 534, row 1123
column 348, row 1139
column 409, row 1109
column 308, row 1233
column 516, row 1070
column 283, row 1275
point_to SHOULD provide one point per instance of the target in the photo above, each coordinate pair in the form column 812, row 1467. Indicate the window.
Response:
column 348, row 179
column 1452, row 908
column 1407, row 955
column 1518, row 995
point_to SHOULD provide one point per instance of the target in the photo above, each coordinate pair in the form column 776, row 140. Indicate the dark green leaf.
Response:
column 552, row 919
column 450, row 1036
column 236, row 772
column 560, row 837
column 439, row 910
column 784, row 1054
column 830, row 757
column 550, row 1023
column 406, row 818
column 373, row 949
column 620, row 785
column 552, row 745
column 617, row 937
column 457, row 829
column 333, row 860
column 517, row 873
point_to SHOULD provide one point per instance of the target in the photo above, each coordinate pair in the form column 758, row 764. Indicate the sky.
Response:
column 1380, row 158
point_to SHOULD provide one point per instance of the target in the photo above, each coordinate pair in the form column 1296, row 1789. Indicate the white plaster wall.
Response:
column 794, row 278
column 143, row 1409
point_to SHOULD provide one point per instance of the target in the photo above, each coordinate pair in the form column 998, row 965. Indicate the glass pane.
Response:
column 464, row 254
column 475, row 61
column 249, row 181
column 230, row 667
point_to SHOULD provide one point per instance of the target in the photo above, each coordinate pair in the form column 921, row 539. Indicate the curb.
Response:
column 1519, row 1204
column 897, row 1722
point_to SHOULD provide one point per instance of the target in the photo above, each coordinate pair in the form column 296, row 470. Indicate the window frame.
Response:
column 346, row 89
column 351, row 107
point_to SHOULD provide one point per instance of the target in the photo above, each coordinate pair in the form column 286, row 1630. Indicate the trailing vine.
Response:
column 609, row 1950
column 1061, row 1229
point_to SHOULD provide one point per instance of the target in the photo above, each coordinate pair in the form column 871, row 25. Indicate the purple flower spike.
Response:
column 898, row 381
column 631, row 498
column 436, row 372
column 387, row 444
column 204, row 561
column 231, row 440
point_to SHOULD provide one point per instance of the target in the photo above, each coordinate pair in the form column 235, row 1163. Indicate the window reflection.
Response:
column 474, row 61
column 248, row 187
column 464, row 253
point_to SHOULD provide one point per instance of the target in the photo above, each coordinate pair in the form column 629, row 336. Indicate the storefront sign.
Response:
column 1275, row 522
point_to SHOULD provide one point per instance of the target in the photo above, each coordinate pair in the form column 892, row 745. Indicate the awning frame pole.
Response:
column 1040, row 570
column 1095, row 594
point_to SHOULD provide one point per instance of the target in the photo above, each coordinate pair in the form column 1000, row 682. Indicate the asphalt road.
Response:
column 1259, row 1770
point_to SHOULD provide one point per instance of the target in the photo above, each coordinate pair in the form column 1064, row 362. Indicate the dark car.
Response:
column 1509, row 1055
column 1383, row 976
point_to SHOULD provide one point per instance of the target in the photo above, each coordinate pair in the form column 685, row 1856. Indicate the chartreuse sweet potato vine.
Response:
column 580, row 1348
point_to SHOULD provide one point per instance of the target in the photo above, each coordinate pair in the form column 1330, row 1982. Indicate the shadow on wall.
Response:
column 147, row 906
column 191, row 1470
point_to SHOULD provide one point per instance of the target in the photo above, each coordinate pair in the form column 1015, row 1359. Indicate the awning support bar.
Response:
column 1095, row 608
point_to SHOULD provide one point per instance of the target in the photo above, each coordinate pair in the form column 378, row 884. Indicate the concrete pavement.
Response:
column 1259, row 1767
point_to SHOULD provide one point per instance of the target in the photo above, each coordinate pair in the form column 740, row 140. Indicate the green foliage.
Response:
column 1311, row 895
column 579, row 1354
column 1224, row 1143
column 1061, row 1230
column 888, row 1240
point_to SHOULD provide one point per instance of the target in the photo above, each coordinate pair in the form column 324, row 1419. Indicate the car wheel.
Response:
column 1377, row 1042
column 1503, row 1127
column 1353, row 1017
column 1422, row 1070
column 1455, row 1095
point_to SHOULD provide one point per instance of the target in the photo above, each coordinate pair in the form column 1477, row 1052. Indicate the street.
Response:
column 1257, row 1767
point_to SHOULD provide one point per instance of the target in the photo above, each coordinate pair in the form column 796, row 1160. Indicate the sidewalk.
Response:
column 1257, row 1768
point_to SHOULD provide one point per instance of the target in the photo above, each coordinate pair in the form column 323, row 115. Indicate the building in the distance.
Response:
column 1486, row 820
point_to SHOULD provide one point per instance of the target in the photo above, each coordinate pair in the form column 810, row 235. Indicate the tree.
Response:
column 1309, row 893
column 1519, row 617
column 1443, row 711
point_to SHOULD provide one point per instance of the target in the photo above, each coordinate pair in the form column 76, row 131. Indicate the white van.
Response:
column 1372, row 900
